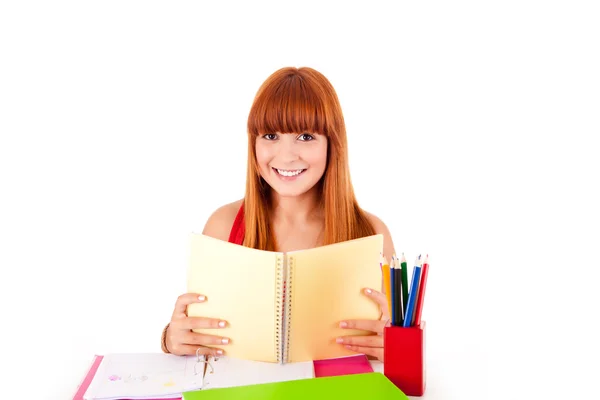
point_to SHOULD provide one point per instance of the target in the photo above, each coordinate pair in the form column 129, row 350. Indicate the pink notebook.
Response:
column 87, row 380
column 342, row 366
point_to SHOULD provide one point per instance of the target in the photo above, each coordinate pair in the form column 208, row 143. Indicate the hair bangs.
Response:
column 290, row 104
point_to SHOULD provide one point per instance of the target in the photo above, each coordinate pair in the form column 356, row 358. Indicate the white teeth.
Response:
column 289, row 173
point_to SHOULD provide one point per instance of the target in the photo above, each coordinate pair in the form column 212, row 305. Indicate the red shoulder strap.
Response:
column 238, row 229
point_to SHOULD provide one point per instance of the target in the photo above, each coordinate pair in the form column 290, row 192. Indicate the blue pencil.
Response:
column 412, row 295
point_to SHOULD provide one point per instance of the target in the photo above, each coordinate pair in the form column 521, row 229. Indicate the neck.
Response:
column 298, row 209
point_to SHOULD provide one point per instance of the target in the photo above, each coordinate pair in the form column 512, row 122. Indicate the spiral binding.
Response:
column 288, row 308
column 279, row 270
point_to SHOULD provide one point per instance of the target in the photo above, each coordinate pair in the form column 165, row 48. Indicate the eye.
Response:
column 306, row 137
column 270, row 136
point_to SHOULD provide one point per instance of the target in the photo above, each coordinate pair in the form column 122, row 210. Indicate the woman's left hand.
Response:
column 371, row 345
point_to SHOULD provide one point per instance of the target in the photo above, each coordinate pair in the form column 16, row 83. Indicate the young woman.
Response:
column 298, row 195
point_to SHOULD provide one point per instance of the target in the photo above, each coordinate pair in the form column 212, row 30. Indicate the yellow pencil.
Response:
column 385, row 269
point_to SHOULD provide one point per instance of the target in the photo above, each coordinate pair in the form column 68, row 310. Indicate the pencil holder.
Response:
column 404, row 358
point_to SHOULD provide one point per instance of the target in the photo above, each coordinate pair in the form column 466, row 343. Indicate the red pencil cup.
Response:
column 404, row 358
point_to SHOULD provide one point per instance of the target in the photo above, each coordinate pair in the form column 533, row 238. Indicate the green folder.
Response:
column 372, row 385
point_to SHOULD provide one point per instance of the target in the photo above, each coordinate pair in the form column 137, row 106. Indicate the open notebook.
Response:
column 165, row 376
column 284, row 307
column 145, row 376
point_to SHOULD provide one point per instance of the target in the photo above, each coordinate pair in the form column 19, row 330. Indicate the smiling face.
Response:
column 292, row 164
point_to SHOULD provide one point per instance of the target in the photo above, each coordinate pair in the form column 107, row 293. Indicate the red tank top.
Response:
column 238, row 229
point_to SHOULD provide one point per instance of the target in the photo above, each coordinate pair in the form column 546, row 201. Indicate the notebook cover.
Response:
column 342, row 366
column 357, row 386
column 87, row 380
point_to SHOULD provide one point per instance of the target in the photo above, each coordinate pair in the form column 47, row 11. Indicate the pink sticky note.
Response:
column 358, row 364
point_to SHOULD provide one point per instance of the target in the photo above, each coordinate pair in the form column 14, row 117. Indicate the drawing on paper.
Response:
column 126, row 375
column 170, row 383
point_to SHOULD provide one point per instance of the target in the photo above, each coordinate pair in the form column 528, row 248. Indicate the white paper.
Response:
column 229, row 372
column 376, row 365
column 145, row 376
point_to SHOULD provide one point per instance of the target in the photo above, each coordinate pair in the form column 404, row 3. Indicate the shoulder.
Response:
column 219, row 223
column 381, row 228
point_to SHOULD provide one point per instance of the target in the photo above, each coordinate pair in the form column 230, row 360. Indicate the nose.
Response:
column 288, row 150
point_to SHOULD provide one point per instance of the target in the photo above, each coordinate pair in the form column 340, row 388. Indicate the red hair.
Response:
column 298, row 100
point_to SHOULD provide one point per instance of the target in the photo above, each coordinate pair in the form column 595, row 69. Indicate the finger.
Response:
column 370, row 351
column 190, row 350
column 363, row 341
column 379, row 298
column 196, row 339
column 364, row 325
column 185, row 300
column 200, row 323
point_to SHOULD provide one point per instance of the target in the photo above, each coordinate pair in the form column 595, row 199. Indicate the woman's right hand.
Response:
column 180, row 340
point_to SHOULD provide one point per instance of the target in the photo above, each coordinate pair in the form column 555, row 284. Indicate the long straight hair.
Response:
column 298, row 100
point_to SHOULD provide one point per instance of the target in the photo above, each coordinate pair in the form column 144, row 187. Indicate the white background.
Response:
column 123, row 128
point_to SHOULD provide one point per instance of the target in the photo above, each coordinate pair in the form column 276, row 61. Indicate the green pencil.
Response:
column 404, row 274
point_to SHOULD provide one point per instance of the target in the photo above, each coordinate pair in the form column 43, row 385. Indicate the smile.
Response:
column 289, row 172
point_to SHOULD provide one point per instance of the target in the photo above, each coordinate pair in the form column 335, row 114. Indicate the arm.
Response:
column 381, row 228
column 220, row 221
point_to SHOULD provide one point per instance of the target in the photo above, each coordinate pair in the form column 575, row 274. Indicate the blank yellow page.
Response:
column 327, row 287
column 240, row 285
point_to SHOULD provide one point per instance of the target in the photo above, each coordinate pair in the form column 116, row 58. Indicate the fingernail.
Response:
column 369, row 291
column 201, row 298
column 222, row 324
column 343, row 324
column 219, row 352
column 225, row 341
column 339, row 340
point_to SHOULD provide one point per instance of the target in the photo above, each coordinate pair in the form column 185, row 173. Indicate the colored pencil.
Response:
column 412, row 294
column 404, row 273
column 398, row 285
column 393, row 293
column 385, row 270
column 421, row 295
column 418, row 264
